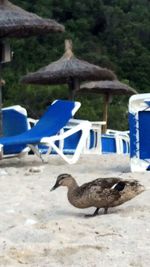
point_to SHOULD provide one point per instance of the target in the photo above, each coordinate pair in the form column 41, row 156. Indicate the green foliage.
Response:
column 113, row 34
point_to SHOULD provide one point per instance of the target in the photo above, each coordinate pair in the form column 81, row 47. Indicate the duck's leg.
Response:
column 94, row 214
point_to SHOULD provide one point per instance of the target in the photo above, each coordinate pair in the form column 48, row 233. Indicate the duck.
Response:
column 100, row 193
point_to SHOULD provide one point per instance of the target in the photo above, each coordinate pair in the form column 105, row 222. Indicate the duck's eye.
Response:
column 132, row 183
column 120, row 186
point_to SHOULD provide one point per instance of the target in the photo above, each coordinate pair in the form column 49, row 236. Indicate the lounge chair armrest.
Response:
column 76, row 128
column 31, row 122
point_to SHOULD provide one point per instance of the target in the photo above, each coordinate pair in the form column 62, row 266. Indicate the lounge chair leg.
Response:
column 36, row 151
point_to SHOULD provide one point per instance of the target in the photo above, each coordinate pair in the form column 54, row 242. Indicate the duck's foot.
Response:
column 94, row 214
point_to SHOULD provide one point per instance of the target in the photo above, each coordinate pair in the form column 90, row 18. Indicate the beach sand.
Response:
column 39, row 228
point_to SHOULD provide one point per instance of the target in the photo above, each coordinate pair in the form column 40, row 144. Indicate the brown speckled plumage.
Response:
column 99, row 193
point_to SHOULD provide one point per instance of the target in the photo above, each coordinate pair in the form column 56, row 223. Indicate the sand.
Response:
column 39, row 228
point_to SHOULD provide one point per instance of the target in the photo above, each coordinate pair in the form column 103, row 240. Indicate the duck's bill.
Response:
column 54, row 187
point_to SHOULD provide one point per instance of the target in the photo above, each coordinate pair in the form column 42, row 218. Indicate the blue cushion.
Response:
column 14, row 123
column 55, row 118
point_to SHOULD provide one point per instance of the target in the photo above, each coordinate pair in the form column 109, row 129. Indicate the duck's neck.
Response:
column 72, row 184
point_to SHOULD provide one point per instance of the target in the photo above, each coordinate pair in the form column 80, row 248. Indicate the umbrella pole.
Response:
column 70, row 91
column 105, row 112
column 73, row 94
column 5, row 56
column 74, row 85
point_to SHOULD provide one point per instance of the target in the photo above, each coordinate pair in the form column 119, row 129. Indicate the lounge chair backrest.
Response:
column 139, row 122
column 14, row 120
column 55, row 118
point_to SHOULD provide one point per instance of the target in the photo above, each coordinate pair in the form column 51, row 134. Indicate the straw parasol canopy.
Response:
column 16, row 22
column 68, row 70
column 107, row 88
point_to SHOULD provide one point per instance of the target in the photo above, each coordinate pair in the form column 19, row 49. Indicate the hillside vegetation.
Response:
column 110, row 33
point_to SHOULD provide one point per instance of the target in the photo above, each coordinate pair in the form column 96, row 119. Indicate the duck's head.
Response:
column 64, row 179
column 129, row 188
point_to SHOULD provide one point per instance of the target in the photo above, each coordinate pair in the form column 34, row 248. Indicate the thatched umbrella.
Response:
column 107, row 88
column 68, row 70
column 16, row 22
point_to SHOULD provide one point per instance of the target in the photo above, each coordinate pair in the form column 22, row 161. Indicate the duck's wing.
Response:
column 101, row 182
column 99, row 185
column 103, row 192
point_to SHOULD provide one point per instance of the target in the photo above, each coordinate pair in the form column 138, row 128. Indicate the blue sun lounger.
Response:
column 115, row 142
column 139, row 122
column 48, row 131
column 14, row 122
